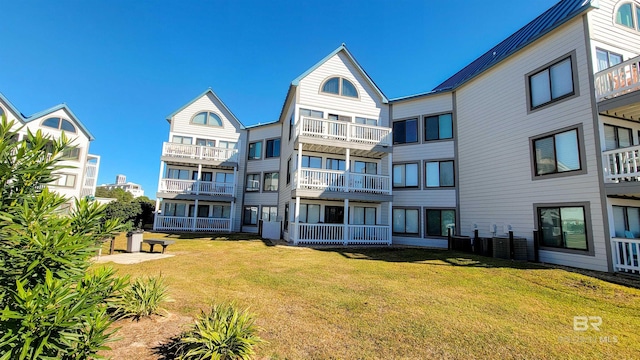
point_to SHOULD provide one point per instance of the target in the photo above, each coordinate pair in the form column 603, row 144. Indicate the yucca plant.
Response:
column 141, row 298
column 223, row 333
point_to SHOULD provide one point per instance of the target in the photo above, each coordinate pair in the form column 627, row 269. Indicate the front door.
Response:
column 334, row 214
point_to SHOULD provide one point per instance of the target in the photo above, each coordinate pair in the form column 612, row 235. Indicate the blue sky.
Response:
column 122, row 66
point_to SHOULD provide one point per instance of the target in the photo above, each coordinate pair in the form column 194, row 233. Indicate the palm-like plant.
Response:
column 223, row 333
column 141, row 298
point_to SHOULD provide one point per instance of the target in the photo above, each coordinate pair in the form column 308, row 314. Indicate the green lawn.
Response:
column 398, row 303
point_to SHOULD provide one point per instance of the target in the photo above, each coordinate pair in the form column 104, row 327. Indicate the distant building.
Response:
column 121, row 183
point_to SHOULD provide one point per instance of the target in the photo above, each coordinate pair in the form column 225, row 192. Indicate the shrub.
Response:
column 141, row 298
column 223, row 333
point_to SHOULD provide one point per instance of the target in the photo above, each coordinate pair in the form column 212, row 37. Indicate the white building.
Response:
column 538, row 136
column 79, row 180
column 121, row 183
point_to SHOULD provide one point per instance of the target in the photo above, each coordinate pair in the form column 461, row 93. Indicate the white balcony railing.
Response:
column 334, row 180
column 618, row 79
column 183, row 151
column 342, row 234
column 196, row 187
column 179, row 223
column 626, row 255
column 344, row 131
column 621, row 164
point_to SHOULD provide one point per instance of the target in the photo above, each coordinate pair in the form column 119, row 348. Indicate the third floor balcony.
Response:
column 617, row 90
column 197, row 154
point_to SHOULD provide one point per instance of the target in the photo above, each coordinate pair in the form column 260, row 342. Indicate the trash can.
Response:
column 134, row 240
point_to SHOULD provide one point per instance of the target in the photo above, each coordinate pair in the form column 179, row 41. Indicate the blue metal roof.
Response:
column 557, row 15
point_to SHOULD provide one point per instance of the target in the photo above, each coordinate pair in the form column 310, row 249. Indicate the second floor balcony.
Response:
column 198, row 153
column 617, row 90
column 341, row 181
column 193, row 187
column 343, row 134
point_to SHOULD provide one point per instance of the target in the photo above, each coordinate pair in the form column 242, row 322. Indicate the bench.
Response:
column 153, row 242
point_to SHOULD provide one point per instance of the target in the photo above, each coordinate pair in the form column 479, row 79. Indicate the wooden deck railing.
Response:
column 621, row 164
column 180, row 223
column 342, row 234
column 199, row 152
column 196, row 187
column 344, row 131
column 626, row 255
column 618, row 79
column 335, row 180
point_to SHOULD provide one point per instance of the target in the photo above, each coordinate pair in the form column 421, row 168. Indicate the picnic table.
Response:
column 153, row 242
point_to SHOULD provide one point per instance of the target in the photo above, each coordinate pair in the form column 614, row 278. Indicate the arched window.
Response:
column 59, row 124
column 339, row 86
column 1, row 112
column 627, row 15
column 207, row 118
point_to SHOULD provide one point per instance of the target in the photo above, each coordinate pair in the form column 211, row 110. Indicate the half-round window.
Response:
column 339, row 86
column 207, row 118
column 1, row 112
column 59, row 124
column 627, row 15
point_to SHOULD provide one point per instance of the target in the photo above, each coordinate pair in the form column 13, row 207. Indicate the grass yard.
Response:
column 388, row 303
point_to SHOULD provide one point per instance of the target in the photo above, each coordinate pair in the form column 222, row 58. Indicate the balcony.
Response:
column 617, row 90
column 193, row 187
column 622, row 171
column 320, row 181
column 343, row 134
column 340, row 234
column 180, row 223
column 198, row 154
column 90, row 175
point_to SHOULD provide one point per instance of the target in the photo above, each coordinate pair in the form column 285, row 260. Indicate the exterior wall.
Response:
column 608, row 35
column 423, row 197
column 494, row 130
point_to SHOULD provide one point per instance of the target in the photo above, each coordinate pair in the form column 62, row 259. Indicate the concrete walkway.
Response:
column 130, row 258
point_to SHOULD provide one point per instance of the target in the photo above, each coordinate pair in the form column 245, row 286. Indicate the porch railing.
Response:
column 343, row 234
column 621, row 164
column 195, row 187
column 344, row 131
column 618, row 79
column 179, row 223
column 334, row 180
column 184, row 151
column 626, row 255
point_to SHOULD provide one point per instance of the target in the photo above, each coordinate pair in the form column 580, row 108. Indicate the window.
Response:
column 255, row 150
column 288, row 171
column 250, row 215
column 563, row 227
column 271, row 181
column 335, row 117
column 405, row 131
column 365, row 121
column 557, row 153
column 207, row 118
column 406, row 222
column 551, row 84
column 335, row 164
column 181, row 140
column 273, row 148
column 206, row 142
column 439, row 174
column 309, row 213
column 364, row 167
column 221, row 212
column 616, row 137
column 340, row 86
column 269, row 213
column 439, row 221
column 405, row 175
column 313, row 162
column 71, row 154
column 203, row 211
column 286, row 216
column 607, row 59
column 60, row 124
column 226, row 178
column 627, row 15
column 65, row 180
column 364, row 215
column 312, row 113
column 204, row 176
column 253, row 182
column 438, row 127
column 175, row 209
column 626, row 220
column 227, row 144
column 177, row 174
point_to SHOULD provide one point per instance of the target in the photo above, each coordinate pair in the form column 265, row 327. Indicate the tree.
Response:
column 117, row 193
column 51, row 305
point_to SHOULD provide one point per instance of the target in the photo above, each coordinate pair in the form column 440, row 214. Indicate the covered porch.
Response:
column 189, row 224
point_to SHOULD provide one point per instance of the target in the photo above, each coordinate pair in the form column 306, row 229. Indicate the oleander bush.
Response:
column 225, row 332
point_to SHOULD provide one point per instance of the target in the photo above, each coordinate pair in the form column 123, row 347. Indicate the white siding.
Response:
column 494, row 129
column 609, row 35
column 181, row 122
